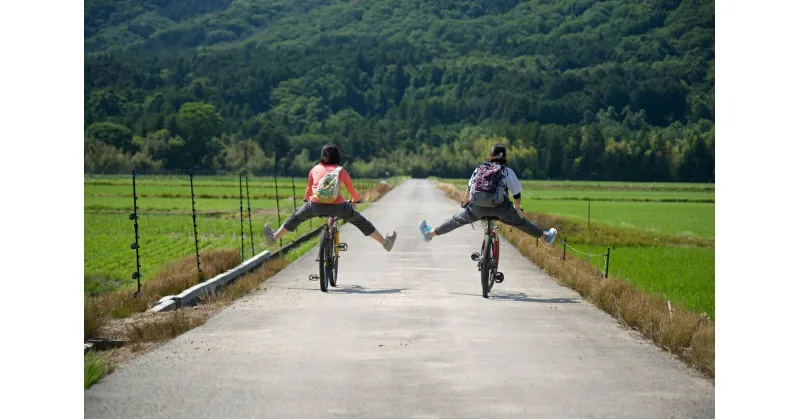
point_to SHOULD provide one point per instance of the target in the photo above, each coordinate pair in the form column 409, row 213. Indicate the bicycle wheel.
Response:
column 494, row 261
column 486, row 258
column 335, row 272
column 323, row 256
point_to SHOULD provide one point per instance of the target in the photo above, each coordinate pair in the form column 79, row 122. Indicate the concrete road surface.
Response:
column 407, row 334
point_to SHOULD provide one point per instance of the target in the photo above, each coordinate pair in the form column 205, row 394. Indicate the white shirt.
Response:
column 508, row 182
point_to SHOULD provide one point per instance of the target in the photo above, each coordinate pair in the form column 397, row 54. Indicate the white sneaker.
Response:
column 269, row 234
column 388, row 241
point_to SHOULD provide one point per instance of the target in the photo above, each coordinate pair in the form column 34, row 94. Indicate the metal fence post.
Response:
column 564, row 252
column 241, row 215
column 194, row 223
column 608, row 257
column 135, row 245
column 589, row 224
column 278, row 204
column 249, row 218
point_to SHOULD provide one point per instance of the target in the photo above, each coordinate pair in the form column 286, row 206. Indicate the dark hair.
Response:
column 498, row 154
column 330, row 155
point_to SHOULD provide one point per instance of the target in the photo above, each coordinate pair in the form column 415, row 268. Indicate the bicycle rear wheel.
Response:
column 323, row 256
column 487, row 280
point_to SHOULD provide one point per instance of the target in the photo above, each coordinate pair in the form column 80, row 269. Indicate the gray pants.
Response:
column 344, row 211
column 506, row 213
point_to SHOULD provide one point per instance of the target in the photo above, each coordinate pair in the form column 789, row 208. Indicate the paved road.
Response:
column 407, row 335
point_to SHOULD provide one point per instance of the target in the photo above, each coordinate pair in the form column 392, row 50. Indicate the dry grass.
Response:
column 377, row 192
column 245, row 284
column 686, row 334
column 166, row 326
column 172, row 280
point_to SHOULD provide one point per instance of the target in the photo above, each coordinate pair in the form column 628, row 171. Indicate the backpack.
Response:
column 327, row 190
column 486, row 190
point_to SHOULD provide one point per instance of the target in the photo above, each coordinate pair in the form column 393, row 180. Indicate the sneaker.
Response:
column 550, row 236
column 269, row 234
column 424, row 229
column 388, row 241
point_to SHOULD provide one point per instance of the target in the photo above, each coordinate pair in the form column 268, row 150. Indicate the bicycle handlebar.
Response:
column 346, row 201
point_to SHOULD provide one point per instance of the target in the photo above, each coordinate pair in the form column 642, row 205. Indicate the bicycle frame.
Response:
column 488, row 229
column 489, row 257
column 329, row 254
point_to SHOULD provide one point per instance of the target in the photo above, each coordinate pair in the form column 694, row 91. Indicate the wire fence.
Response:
column 178, row 215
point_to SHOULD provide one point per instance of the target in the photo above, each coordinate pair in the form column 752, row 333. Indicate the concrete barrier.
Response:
column 189, row 296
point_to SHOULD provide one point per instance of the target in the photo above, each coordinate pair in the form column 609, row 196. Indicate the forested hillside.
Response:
column 580, row 89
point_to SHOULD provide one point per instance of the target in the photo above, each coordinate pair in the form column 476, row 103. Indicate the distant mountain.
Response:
column 581, row 89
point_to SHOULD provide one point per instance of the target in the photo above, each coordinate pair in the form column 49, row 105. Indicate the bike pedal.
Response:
column 343, row 247
column 475, row 256
column 312, row 277
column 499, row 277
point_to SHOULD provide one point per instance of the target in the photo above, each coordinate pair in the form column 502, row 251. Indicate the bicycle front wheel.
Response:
column 323, row 256
column 486, row 258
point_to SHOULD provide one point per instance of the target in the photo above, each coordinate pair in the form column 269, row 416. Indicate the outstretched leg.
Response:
column 350, row 215
column 460, row 219
column 513, row 218
column 302, row 214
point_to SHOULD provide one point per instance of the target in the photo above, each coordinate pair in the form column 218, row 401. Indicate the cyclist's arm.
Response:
column 310, row 184
column 469, row 186
column 348, row 183
column 514, row 188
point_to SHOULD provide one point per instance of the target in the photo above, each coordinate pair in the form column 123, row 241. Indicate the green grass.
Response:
column 109, row 261
column 680, row 267
column 184, row 191
column 94, row 368
column 620, row 185
column 125, row 204
column 695, row 219
column 619, row 195
column 685, row 275
column 165, row 221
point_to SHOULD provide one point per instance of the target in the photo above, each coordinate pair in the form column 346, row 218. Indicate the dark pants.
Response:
column 506, row 213
column 344, row 211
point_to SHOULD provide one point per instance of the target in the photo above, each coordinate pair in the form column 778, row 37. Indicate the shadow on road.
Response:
column 354, row 289
column 519, row 297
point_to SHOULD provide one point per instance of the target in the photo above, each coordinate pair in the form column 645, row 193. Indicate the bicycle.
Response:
column 489, row 257
column 329, row 248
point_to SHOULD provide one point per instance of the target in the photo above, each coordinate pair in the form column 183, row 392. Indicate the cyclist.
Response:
column 504, row 181
column 325, row 200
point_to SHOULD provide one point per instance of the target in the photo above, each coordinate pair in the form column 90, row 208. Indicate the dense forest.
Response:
column 578, row 89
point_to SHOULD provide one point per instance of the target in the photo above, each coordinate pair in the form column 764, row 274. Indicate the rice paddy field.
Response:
column 683, row 273
column 166, row 227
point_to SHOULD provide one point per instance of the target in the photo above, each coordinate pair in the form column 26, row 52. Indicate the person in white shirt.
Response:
column 476, row 208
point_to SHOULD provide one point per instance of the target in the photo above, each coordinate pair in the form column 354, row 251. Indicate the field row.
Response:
column 605, row 185
column 693, row 219
column 684, row 275
column 206, row 181
column 109, row 260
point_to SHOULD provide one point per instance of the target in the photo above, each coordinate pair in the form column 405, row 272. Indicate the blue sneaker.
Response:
column 424, row 229
column 550, row 236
